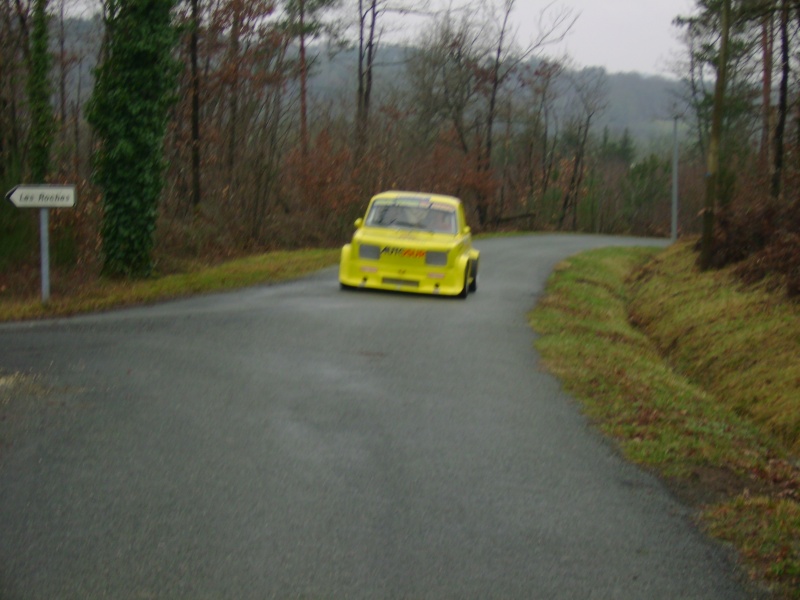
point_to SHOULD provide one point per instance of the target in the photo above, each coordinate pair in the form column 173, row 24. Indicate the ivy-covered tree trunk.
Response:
column 39, row 92
column 134, row 89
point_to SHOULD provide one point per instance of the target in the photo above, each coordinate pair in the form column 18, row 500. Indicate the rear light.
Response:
column 369, row 252
column 438, row 259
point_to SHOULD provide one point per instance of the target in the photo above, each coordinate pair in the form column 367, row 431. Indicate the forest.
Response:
column 208, row 129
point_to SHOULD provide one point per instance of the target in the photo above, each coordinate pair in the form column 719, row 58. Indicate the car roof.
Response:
column 394, row 194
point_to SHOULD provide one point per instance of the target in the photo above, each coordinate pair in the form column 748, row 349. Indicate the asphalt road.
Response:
column 297, row 441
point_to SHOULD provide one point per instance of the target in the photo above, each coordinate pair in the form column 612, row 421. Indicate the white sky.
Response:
column 620, row 35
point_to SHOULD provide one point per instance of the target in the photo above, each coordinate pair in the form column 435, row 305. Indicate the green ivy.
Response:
column 42, row 123
column 134, row 90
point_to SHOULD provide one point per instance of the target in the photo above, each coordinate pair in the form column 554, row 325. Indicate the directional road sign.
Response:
column 42, row 196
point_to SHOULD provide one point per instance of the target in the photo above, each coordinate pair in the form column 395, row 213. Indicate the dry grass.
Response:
column 697, row 379
column 96, row 294
column 742, row 345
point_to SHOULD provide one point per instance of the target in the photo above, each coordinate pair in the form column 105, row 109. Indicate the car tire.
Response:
column 465, row 290
column 473, row 287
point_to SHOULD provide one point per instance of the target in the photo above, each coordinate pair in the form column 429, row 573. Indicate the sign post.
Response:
column 44, row 197
column 44, row 242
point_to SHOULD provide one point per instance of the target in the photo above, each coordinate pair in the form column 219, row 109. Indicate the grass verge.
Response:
column 104, row 294
column 694, row 379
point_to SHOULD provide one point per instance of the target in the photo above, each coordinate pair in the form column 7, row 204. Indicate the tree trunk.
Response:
column 485, row 160
column 780, row 126
column 712, row 172
column 366, row 61
column 303, row 83
column 495, row 88
column 570, row 201
column 195, row 193
column 62, row 71
column 234, row 91
column 767, row 45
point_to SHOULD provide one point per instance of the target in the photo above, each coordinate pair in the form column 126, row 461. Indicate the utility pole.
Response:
column 674, row 228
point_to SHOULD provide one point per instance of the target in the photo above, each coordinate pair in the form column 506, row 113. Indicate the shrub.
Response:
column 761, row 237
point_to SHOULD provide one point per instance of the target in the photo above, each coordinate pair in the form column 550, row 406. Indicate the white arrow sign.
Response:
column 42, row 196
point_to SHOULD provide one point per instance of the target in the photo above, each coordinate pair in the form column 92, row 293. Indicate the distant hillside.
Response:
column 639, row 103
column 642, row 104
column 636, row 102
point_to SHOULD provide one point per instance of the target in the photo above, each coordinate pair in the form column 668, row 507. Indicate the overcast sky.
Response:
column 620, row 35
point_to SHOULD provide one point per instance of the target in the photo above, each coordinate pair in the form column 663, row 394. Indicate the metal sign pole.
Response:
column 44, row 235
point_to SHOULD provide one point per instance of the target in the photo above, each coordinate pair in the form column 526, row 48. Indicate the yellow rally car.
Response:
column 412, row 242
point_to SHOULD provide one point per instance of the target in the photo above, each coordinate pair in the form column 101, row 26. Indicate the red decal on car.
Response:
column 404, row 252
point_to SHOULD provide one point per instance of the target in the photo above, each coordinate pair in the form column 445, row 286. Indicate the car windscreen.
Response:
column 412, row 213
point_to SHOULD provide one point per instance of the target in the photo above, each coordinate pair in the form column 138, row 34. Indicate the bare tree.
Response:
column 767, row 45
column 241, row 42
column 592, row 97
column 369, row 12
column 443, row 79
column 372, row 23
column 538, row 138
column 465, row 70
column 503, row 64
column 303, row 22
column 234, row 63
column 194, row 37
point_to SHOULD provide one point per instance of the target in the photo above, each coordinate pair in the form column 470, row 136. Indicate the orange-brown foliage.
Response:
column 761, row 235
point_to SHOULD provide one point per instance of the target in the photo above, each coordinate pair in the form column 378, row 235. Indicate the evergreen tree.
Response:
column 134, row 90
column 303, row 21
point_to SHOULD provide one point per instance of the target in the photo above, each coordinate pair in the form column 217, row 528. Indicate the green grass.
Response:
column 743, row 345
column 696, row 379
column 104, row 294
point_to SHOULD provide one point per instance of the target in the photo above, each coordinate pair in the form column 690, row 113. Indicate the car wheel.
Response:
column 473, row 287
column 465, row 290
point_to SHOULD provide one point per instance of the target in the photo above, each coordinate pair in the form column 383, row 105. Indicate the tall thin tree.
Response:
column 712, row 160
column 783, row 94
column 369, row 11
column 304, row 23
column 195, row 74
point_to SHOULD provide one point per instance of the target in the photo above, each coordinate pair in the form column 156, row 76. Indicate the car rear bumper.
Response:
column 372, row 274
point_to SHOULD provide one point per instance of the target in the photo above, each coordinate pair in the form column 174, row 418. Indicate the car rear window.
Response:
column 413, row 213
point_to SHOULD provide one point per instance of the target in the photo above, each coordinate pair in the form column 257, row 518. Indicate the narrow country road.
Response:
column 297, row 441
